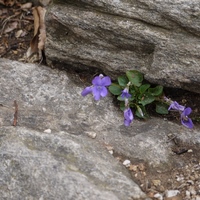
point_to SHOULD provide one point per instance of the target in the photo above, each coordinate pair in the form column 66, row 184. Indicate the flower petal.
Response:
column 97, row 81
column 96, row 92
column 106, row 81
column 187, row 123
column 86, row 91
column 125, row 94
column 104, row 91
column 127, row 122
column 128, row 114
column 176, row 106
column 187, row 111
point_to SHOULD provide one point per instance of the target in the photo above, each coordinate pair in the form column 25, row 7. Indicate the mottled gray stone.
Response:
column 159, row 38
column 66, row 163
column 63, row 164
column 36, row 165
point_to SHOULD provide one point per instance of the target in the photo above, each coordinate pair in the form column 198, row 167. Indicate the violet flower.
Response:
column 98, row 88
column 185, row 120
column 86, row 91
column 125, row 94
column 128, row 116
column 174, row 105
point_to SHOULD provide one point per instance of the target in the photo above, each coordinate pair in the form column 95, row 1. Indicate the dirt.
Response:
column 16, row 31
column 185, row 179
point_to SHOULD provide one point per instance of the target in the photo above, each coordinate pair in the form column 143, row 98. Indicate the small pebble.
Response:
column 111, row 152
column 158, row 196
column 91, row 135
column 47, row 130
column 127, row 163
column 156, row 182
column 171, row 193
column 133, row 168
column 187, row 193
column 191, row 182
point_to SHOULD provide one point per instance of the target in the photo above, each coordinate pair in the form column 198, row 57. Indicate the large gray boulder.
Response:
column 158, row 38
column 63, row 162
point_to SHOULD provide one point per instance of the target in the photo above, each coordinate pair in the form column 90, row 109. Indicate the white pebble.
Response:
column 158, row 196
column 127, row 163
column 111, row 152
column 91, row 134
column 47, row 131
column 187, row 193
column 171, row 193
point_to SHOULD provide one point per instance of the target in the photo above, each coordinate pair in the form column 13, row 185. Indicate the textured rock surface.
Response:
column 66, row 162
column 159, row 38
column 36, row 165
column 63, row 164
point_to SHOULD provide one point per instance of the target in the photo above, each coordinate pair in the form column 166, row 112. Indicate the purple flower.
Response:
column 86, row 91
column 98, row 88
column 128, row 116
column 174, row 105
column 185, row 120
column 125, row 94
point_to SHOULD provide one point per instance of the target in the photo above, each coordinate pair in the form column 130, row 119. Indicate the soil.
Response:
column 185, row 179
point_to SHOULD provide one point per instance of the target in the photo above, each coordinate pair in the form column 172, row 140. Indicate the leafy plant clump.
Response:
column 132, row 92
column 134, row 95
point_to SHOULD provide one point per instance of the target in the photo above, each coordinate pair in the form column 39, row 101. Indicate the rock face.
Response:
column 63, row 163
column 158, row 38
column 49, row 155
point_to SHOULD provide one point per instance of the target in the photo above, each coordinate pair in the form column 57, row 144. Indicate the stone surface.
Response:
column 65, row 163
column 36, row 165
column 159, row 38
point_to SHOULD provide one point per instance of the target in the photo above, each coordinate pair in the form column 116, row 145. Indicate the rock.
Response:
column 171, row 193
column 47, row 131
column 158, row 196
column 91, row 134
column 127, row 163
column 62, row 163
column 158, row 38
column 49, row 99
column 65, row 161
column 38, row 165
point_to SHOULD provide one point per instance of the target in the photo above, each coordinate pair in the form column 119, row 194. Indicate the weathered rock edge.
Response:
column 158, row 38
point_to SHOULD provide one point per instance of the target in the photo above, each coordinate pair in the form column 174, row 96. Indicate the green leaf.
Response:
column 135, row 77
column 143, row 88
column 123, row 80
column 132, row 91
column 146, row 99
column 122, row 105
column 115, row 89
column 156, row 91
column 120, row 98
column 162, row 108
